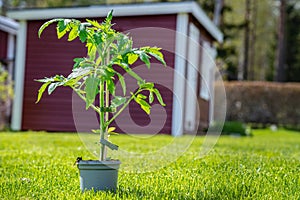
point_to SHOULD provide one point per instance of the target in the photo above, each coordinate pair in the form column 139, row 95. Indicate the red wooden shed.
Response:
column 181, row 29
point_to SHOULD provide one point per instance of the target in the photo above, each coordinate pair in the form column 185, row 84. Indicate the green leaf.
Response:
column 122, row 82
column 77, row 62
column 77, row 72
column 62, row 28
column 132, row 58
column 111, row 86
column 151, row 97
column 41, row 91
column 141, row 96
column 94, row 23
column 111, row 129
column 73, row 33
column 145, row 58
column 109, row 16
column 98, row 38
column 118, row 101
column 83, row 34
column 46, row 24
column 144, row 105
column 134, row 75
column 53, row 86
column 91, row 90
column 92, row 49
column 159, row 97
column 158, row 55
column 96, row 131
column 148, row 85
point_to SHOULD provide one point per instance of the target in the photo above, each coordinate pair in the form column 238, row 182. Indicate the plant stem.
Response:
column 123, row 107
column 102, row 119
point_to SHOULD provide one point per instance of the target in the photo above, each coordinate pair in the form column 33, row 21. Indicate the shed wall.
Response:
column 47, row 56
column 3, row 44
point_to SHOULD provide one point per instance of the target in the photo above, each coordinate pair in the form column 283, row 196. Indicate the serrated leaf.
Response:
column 73, row 33
column 91, row 90
column 132, row 58
column 94, row 23
column 151, row 97
column 141, row 96
column 118, row 101
column 111, row 129
column 41, row 91
column 122, row 82
column 62, row 28
column 134, row 75
column 109, row 16
column 144, row 105
column 83, row 34
column 53, row 86
column 96, row 131
column 145, row 58
column 159, row 97
column 111, row 86
column 159, row 56
column 46, row 24
column 80, row 72
column 148, row 85
column 77, row 62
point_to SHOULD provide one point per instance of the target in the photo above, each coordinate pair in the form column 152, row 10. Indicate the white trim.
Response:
column 19, row 77
column 192, row 79
column 212, row 87
column 179, row 74
column 8, row 25
column 206, row 22
column 121, row 10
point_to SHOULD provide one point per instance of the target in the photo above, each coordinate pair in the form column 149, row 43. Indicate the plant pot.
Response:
column 98, row 175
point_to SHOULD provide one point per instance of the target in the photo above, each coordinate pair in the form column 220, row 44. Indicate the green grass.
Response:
column 265, row 166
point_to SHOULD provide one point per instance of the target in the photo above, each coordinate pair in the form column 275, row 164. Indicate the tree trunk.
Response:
column 246, row 40
column 253, row 41
column 279, row 75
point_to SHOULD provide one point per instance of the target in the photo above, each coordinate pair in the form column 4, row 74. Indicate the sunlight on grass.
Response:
column 37, row 165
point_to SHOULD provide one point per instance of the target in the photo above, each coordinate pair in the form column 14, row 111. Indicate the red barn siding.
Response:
column 3, row 44
column 48, row 56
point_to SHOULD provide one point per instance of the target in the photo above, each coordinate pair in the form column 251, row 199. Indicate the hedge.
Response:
column 263, row 102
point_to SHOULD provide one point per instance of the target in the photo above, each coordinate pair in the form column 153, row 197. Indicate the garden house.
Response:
column 180, row 29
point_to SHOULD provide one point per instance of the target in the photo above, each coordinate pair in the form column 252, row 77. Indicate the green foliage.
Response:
column 232, row 128
column 6, row 95
column 95, row 74
column 6, row 86
column 293, row 38
column 37, row 165
column 263, row 102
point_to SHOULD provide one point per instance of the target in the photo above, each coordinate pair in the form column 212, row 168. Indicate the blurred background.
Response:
column 261, row 46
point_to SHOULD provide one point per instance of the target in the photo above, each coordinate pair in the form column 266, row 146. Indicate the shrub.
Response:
column 232, row 128
column 6, row 94
column 263, row 102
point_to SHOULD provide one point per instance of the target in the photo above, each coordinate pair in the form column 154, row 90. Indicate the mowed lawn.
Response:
column 37, row 165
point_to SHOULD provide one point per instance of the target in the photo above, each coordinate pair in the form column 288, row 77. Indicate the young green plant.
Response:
column 95, row 74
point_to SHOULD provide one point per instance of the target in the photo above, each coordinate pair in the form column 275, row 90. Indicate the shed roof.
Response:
column 8, row 25
column 121, row 10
